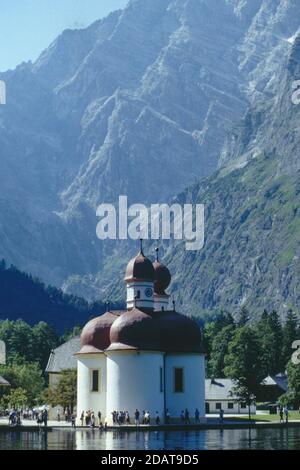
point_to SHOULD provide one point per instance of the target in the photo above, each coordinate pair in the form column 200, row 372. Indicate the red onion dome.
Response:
column 179, row 333
column 162, row 277
column 166, row 331
column 95, row 335
column 135, row 329
column 139, row 268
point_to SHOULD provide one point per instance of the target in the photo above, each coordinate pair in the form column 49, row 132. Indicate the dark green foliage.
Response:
column 243, row 364
column 244, row 317
column 220, row 344
column 248, row 353
column 292, row 397
column 25, row 377
column 26, row 344
column 65, row 392
column 269, row 332
column 22, row 296
column 290, row 334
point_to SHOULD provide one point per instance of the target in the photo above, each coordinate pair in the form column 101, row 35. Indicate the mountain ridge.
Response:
column 139, row 103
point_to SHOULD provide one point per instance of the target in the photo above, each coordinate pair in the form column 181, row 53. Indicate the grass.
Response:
column 293, row 416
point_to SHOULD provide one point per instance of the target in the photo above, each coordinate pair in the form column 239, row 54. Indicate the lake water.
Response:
column 176, row 440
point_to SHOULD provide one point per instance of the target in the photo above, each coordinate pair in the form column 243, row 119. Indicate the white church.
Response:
column 147, row 357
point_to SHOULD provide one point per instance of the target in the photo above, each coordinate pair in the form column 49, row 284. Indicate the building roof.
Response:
column 162, row 276
column 139, row 268
column 219, row 389
column 3, row 382
column 164, row 330
column 279, row 380
column 95, row 336
column 63, row 358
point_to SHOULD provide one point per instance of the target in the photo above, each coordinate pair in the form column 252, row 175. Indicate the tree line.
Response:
column 24, row 296
column 27, row 352
column 249, row 352
column 238, row 349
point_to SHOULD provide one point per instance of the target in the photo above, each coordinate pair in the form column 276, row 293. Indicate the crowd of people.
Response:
column 89, row 419
column 15, row 417
column 68, row 416
column 122, row 417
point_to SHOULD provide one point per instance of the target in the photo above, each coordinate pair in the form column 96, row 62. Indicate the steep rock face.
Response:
column 252, row 250
column 140, row 104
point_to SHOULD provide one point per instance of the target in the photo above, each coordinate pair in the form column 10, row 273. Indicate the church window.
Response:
column 178, row 380
column 218, row 406
column 95, row 381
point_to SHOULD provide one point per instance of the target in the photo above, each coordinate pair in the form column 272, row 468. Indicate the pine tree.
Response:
column 244, row 317
column 269, row 332
column 290, row 334
column 276, row 327
column 243, row 364
column 219, row 350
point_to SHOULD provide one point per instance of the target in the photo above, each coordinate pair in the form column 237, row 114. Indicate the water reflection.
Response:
column 282, row 438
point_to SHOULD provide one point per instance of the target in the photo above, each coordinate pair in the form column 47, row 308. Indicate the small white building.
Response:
column 147, row 357
column 219, row 395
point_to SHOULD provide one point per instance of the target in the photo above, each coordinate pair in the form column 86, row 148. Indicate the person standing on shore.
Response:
column 281, row 414
column 45, row 417
column 221, row 414
column 197, row 416
column 137, row 417
column 286, row 414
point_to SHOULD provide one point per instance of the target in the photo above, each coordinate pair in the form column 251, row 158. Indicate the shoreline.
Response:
column 145, row 428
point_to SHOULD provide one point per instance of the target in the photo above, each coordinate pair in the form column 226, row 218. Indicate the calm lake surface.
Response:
column 182, row 440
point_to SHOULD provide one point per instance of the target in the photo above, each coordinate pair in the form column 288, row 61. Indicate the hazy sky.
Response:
column 29, row 26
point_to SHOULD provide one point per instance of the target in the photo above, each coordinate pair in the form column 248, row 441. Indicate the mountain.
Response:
column 27, row 298
column 252, row 249
column 140, row 103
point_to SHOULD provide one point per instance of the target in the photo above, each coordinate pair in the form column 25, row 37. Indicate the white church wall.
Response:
column 133, row 382
column 193, row 395
column 86, row 398
column 140, row 294
column 161, row 302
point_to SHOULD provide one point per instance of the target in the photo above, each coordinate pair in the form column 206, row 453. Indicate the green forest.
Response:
column 243, row 351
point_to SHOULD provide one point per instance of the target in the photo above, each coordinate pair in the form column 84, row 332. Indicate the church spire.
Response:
column 141, row 246
column 139, row 278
